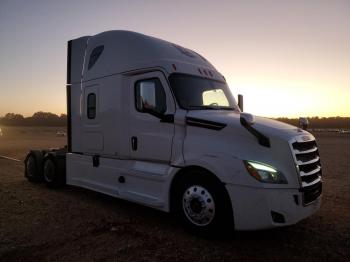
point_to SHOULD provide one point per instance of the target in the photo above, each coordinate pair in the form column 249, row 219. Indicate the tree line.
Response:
column 321, row 122
column 50, row 119
column 37, row 119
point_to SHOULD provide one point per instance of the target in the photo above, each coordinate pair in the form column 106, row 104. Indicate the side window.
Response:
column 91, row 106
column 95, row 54
column 150, row 95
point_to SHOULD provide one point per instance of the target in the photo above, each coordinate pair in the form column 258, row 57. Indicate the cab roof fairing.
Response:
column 126, row 51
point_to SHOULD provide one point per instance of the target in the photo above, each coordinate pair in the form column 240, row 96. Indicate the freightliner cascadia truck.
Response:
column 155, row 123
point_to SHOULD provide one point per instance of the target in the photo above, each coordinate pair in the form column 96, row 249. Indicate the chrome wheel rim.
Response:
column 198, row 205
column 49, row 170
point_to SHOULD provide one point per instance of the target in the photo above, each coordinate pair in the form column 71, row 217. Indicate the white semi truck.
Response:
column 155, row 123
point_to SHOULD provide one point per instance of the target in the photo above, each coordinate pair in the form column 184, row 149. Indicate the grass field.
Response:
column 70, row 224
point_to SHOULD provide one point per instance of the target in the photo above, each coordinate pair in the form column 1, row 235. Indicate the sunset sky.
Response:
column 288, row 58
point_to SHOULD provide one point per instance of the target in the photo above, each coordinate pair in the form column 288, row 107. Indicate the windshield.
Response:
column 198, row 93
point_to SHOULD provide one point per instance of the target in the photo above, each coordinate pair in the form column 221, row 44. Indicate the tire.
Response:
column 33, row 167
column 52, row 176
column 203, row 205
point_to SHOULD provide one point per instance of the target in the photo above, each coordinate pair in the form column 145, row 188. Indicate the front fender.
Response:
column 228, row 169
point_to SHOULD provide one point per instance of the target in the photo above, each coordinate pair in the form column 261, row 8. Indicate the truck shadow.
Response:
column 166, row 221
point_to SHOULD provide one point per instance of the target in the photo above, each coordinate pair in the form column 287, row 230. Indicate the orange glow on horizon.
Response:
column 287, row 58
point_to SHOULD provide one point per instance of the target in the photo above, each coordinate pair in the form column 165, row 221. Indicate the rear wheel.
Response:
column 203, row 205
column 33, row 167
column 52, row 177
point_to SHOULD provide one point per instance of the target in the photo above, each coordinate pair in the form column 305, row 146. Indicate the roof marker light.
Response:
column 174, row 66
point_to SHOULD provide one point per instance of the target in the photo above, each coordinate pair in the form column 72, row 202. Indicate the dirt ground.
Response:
column 72, row 224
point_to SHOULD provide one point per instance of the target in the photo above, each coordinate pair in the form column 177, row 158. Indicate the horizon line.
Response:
column 289, row 117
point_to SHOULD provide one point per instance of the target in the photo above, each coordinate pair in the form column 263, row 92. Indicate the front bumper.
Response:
column 254, row 208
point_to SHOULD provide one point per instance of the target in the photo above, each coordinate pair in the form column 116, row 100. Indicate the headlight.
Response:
column 264, row 173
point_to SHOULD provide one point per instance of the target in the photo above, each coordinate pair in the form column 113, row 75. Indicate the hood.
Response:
column 226, row 138
column 268, row 127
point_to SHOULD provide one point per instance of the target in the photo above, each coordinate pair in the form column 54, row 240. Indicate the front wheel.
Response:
column 198, row 205
column 203, row 206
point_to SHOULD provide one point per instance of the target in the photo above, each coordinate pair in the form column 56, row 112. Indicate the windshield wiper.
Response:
column 208, row 107
column 226, row 108
column 202, row 107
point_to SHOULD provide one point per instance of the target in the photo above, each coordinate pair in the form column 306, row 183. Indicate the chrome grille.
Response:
column 307, row 160
column 304, row 146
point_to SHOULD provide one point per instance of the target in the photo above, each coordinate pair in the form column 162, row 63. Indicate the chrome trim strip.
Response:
column 318, row 169
column 304, row 184
column 299, row 162
column 304, row 152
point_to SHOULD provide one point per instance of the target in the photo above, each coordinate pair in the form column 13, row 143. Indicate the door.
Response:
column 150, row 137
column 92, row 136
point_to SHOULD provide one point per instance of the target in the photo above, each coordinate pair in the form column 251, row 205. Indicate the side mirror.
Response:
column 247, row 119
column 240, row 102
column 167, row 118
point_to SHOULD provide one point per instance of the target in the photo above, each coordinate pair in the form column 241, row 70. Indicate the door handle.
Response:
column 134, row 143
